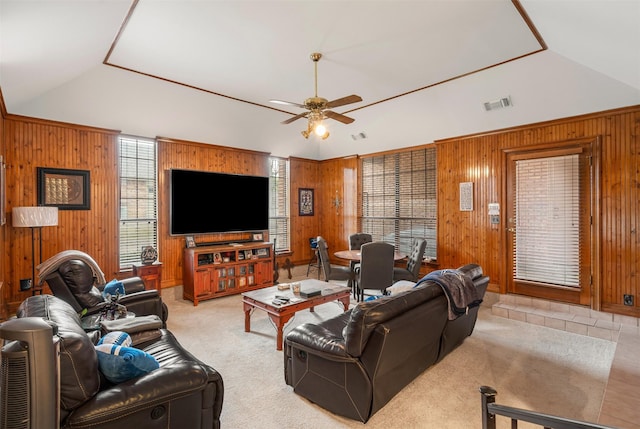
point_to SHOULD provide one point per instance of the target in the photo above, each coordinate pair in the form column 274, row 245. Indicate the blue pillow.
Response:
column 118, row 362
column 112, row 288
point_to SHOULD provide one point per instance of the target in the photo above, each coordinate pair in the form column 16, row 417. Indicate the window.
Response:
column 547, row 207
column 279, row 203
column 138, row 192
column 399, row 198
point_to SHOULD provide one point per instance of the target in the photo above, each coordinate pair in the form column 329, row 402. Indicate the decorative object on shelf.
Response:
column 189, row 241
column 305, row 202
column 34, row 218
column 337, row 202
column 257, row 236
column 65, row 189
column 217, row 258
column 149, row 255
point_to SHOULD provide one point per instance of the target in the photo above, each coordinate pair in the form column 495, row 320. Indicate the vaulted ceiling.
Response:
column 206, row 70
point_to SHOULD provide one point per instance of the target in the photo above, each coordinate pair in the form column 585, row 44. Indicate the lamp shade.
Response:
column 24, row 217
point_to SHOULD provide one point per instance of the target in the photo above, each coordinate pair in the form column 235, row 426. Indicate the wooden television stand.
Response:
column 226, row 269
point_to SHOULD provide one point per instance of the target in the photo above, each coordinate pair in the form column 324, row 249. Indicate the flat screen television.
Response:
column 203, row 202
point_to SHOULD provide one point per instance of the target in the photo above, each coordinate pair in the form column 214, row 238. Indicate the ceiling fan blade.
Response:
column 287, row 103
column 295, row 118
column 344, row 100
column 338, row 117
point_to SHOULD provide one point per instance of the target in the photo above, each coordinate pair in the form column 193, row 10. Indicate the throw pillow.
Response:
column 118, row 362
column 400, row 286
column 112, row 288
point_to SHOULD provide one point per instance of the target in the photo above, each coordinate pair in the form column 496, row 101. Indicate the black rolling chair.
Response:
column 314, row 262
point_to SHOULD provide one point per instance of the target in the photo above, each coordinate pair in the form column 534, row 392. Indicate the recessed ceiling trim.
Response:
column 516, row 3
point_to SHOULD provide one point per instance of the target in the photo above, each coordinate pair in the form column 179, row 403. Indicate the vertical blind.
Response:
column 279, row 203
column 399, row 198
column 138, row 198
column 547, row 203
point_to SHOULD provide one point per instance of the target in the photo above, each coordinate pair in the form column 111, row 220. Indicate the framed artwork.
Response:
column 190, row 241
column 217, row 258
column 257, row 236
column 305, row 202
column 248, row 254
column 65, row 189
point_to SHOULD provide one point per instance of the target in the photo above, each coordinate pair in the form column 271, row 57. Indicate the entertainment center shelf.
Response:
column 219, row 270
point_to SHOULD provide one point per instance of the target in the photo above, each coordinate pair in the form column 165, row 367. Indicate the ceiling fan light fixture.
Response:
column 320, row 129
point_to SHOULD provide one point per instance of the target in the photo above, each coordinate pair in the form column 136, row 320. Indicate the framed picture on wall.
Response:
column 62, row 188
column 305, row 202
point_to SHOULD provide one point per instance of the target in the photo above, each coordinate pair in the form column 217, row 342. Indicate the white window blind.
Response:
column 138, row 198
column 279, row 203
column 547, row 238
column 399, row 198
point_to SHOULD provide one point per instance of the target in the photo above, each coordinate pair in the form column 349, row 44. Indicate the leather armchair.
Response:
column 74, row 282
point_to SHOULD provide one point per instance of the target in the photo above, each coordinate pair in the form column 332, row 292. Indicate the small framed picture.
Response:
column 257, row 236
column 248, row 254
column 217, row 258
column 190, row 242
column 63, row 188
column 305, row 202
column 262, row 252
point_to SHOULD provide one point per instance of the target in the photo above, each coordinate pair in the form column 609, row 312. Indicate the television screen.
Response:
column 206, row 202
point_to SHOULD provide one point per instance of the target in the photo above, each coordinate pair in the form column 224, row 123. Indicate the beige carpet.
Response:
column 530, row 366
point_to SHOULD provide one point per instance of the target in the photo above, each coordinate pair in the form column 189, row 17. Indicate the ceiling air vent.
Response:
column 498, row 104
column 359, row 136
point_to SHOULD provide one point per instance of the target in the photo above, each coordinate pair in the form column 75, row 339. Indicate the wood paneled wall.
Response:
column 469, row 237
column 463, row 237
column 203, row 157
column 31, row 143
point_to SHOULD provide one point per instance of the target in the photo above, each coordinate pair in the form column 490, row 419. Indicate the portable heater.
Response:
column 29, row 374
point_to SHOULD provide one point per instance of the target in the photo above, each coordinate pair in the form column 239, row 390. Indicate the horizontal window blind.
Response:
column 279, row 203
column 138, row 198
column 399, row 198
column 547, row 238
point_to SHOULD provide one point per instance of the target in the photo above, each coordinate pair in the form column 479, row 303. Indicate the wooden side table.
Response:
column 150, row 274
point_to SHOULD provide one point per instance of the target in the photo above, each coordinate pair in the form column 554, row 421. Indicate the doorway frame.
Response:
column 595, row 294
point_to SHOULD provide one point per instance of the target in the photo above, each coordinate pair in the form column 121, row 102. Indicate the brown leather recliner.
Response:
column 75, row 283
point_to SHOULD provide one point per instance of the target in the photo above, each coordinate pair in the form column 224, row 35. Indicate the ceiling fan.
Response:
column 318, row 108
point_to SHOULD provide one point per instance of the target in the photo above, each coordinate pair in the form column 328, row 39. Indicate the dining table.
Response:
column 355, row 255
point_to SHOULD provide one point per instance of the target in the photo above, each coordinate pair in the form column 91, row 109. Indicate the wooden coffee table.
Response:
column 281, row 314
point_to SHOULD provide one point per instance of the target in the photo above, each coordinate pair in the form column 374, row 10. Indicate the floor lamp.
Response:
column 34, row 218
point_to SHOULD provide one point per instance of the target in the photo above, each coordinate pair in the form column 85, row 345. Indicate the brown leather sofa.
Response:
column 182, row 393
column 354, row 363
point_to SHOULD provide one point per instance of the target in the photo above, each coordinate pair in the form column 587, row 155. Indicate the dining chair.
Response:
column 412, row 270
column 376, row 268
column 355, row 243
column 335, row 272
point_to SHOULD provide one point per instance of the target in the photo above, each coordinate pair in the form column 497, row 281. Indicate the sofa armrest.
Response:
column 133, row 285
column 140, row 329
column 154, row 390
column 318, row 341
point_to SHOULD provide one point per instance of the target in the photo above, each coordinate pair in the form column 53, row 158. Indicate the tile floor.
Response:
column 621, row 402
